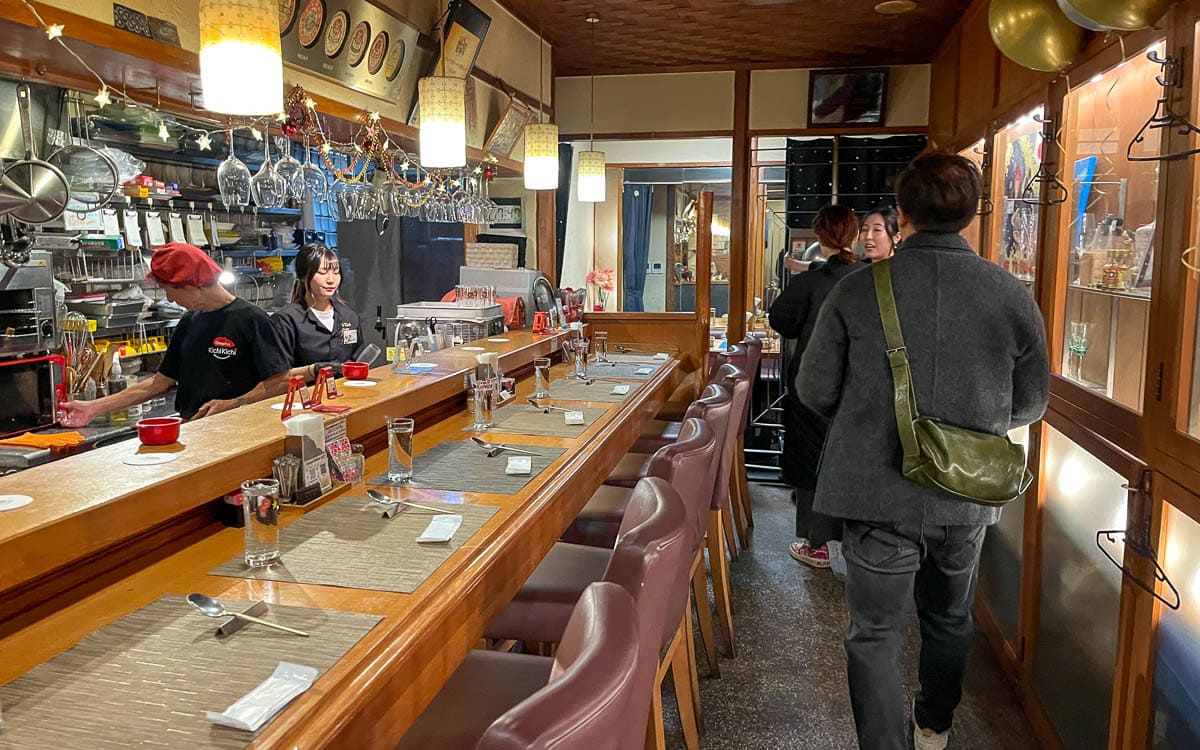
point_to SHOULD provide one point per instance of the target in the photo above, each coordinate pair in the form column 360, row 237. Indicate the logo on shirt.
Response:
column 222, row 348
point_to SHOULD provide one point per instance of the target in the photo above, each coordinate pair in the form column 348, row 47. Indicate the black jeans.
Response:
column 817, row 528
column 887, row 564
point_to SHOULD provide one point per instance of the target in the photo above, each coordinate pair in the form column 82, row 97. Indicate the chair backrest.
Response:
column 646, row 561
column 692, row 463
column 754, row 348
column 590, row 688
column 735, row 355
column 738, row 383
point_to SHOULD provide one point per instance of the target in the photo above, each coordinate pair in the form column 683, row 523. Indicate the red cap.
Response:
column 181, row 264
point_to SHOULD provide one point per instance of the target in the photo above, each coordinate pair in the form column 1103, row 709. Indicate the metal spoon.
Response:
column 383, row 499
column 546, row 409
column 498, row 448
column 206, row 605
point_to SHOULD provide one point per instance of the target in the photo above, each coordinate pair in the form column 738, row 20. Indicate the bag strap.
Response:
column 905, row 400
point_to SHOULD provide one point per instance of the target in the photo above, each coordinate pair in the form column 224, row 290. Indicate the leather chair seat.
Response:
column 631, row 468
column 490, row 683
column 600, row 520
column 541, row 609
column 655, row 434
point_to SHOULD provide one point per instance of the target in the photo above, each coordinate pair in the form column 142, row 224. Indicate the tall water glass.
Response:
column 484, row 396
column 400, row 449
column 600, row 342
column 541, row 377
column 580, row 348
column 260, row 508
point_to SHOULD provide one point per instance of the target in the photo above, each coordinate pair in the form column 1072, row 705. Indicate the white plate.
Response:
column 279, row 407
column 497, row 341
column 150, row 459
column 473, row 349
column 360, row 383
column 12, row 502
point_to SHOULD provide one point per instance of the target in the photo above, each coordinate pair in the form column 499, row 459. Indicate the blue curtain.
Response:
column 638, row 205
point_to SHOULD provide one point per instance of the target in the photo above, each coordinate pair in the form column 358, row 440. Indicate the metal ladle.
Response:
column 210, row 607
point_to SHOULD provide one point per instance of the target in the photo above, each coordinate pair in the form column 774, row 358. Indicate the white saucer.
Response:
column 12, row 502
column 150, row 459
column 497, row 341
column 360, row 383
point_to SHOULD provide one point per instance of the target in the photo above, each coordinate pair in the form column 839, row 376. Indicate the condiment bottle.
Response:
column 116, row 384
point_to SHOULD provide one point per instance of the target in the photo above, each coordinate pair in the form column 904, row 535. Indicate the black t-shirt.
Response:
column 304, row 340
column 221, row 354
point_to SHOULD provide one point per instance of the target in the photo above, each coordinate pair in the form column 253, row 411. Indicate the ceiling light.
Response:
column 541, row 156
column 895, row 7
column 241, row 65
column 592, row 187
column 443, row 129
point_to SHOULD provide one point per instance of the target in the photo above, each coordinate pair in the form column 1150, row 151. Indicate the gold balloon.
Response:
column 1120, row 15
column 1034, row 34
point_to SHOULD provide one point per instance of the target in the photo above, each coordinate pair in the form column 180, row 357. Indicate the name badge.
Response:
column 349, row 335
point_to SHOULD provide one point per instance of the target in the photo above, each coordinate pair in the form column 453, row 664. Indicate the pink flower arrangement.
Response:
column 604, row 278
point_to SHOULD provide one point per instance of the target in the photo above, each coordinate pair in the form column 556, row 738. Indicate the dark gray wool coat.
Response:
column 977, row 346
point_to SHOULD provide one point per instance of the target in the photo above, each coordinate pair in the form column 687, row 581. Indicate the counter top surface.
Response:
column 375, row 692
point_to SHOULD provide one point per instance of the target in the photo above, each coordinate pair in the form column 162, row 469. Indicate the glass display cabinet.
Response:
column 1108, row 229
column 1016, row 216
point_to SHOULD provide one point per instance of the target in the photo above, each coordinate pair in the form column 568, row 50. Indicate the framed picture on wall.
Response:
column 508, row 214
column 506, row 133
column 850, row 96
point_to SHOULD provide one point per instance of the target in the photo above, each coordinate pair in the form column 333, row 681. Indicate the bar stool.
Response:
column 651, row 561
column 672, row 413
column 580, row 698
column 743, row 510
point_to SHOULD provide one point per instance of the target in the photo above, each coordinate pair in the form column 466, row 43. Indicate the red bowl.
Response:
column 159, row 430
column 355, row 370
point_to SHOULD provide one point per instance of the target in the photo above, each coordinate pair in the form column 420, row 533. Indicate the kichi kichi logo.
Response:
column 222, row 348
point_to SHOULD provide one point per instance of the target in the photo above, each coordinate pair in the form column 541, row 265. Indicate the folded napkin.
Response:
column 54, row 440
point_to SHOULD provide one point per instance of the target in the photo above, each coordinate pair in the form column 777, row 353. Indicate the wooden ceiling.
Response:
column 644, row 36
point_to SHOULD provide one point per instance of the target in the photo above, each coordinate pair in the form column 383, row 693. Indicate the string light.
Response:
column 102, row 97
column 373, row 117
column 163, row 132
column 309, row 103
column 204, row 142
column 54, row 31
column 258, row 136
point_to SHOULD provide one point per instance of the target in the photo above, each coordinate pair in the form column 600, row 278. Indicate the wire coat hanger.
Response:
column 1164, row 116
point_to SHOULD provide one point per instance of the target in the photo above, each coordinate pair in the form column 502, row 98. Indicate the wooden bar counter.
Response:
column 86, row 509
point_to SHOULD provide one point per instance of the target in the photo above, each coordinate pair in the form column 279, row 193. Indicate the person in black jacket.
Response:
column 976, row 343
column 316, row 328
column 793, row 316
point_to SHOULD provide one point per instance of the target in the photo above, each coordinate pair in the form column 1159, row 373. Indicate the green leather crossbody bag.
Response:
column 975, row 466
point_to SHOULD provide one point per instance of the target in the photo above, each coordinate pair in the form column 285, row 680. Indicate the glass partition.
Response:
column 1002, row 559
column 1080, row 592
column 1017, row 156
column 1109, row 230
column 1176, row 701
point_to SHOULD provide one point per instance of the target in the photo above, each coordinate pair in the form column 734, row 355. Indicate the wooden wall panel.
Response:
column 943, row 92
column 1016, row 82
column 977, row 66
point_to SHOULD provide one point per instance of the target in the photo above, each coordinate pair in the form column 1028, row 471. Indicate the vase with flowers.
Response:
column 604, row 279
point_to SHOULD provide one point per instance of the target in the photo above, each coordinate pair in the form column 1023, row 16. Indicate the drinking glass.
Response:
column 579, row 347
column 269, row 189
column 484, row 394
column 356, row 475
column 233, row 179
column 1077, row 347
column 600, row 342
column 260, row 508
column 400, row 449
column 541, row 377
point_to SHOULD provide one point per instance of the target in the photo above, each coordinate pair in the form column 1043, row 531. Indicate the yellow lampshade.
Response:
column 241, row 66
column 541, row 156
column 443, row 129
column 591, row 176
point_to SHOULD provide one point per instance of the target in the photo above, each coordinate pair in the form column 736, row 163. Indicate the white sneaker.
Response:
column 927, row 739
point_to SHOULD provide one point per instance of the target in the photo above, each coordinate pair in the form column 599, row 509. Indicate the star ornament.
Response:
column 256, row 133
column 374, row 117
column 204, row 142
column 325, row 148
column 102, row 98
column 54, row 31
column 310, row 103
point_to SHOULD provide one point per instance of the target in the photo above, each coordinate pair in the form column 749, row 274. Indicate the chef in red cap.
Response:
column 224, row 353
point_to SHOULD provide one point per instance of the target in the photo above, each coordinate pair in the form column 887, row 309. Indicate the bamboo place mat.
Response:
column 526, row 419
column 147, row 679
column 465, row 467
column 622, row 370
column 577, row 390
column 348, row 543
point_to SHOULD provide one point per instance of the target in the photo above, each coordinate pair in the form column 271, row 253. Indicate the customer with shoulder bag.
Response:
column 922, row 365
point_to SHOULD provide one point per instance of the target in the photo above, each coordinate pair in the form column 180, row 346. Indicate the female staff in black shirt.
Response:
column 317, row 328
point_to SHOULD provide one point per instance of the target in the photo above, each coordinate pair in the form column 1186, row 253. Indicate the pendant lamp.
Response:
column 541, row 145
column 442, row 134
column 590, row 178
column 241, row 66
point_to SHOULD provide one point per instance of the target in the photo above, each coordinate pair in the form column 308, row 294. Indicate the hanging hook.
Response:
column 1164, row 116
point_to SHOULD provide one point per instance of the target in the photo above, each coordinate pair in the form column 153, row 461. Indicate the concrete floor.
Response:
column 787, row 687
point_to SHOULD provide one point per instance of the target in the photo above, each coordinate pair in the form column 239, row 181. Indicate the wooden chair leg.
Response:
column 704, row 614
column 727, row 531
column 737, row 508
column 689, row 636
column 655, row 735
column 719, row 568
column 681, row 679
column 744, row 481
